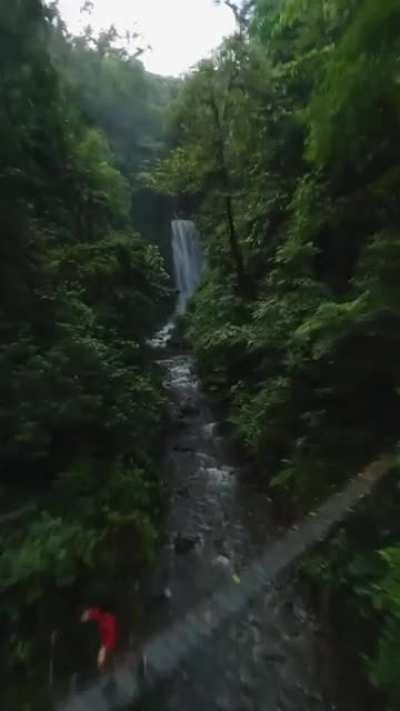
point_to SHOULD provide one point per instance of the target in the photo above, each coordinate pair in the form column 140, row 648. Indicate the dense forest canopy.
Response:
column 77, row 281
column 286, row 144
column 283, row 146
column 82, row 406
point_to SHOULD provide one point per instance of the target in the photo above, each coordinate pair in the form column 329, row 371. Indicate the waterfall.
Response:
column 189, row 266
column 188, row 260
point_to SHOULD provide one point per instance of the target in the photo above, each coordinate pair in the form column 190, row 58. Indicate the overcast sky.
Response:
column 180, row 32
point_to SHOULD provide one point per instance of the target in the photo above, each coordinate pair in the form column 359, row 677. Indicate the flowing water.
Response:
column 219, row 524
column 229, row 631
column 189, row 261
column 225, row 629
column 202, row 653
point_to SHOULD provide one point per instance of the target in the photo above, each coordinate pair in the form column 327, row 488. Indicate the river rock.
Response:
column 299, row 613
column 188, row 408
column 247, row 683
column 223, row 564
column 247, row 703
column 274, row 657
column 220, row 546
column 224, row 703
column 183, row 490
column 256, row 635
column 210, row 429
column 185, row 544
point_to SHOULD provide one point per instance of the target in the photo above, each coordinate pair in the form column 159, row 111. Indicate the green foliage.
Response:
column 330, row 322
column 115, row 92
column 285, row 144
column 82, row 291
column 295, row 120
column 218, row 334
column 385, row 594
column 358, row 87
column 122, row 503
column 52, row 546
column 82, row 408
column 104, row 78
column 182, row 172
column 93, row 161
column 299, row 114
column 363, row 582
column 102, row 525
column 121, row 276
column 263, row 419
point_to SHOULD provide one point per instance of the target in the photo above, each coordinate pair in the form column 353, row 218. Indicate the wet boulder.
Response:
column 185, row 544
column 223, row 563
column 189, row 408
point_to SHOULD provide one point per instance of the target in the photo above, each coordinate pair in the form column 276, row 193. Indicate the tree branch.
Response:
column 241, row 12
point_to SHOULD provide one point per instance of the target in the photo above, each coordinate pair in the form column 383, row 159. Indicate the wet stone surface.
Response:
column 226, row 628
column 267, row 659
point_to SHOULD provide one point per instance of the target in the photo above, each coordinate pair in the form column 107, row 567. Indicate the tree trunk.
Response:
column 236, row 252
column 234, row 245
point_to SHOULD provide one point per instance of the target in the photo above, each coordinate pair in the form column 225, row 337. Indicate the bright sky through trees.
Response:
column 180, row 32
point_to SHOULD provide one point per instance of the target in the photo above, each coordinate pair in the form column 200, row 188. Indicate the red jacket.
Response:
column 108, row 627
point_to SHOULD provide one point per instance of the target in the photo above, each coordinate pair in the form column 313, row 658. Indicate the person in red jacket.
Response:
column 108, row 630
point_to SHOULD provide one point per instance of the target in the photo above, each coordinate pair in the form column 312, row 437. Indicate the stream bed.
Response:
column 220, row 619
column 267, row 658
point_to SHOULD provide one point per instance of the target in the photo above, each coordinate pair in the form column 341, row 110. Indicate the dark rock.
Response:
column 183, row 490
column 299, row 613
column 189, row 409
column 247, row 703
column 274, row 657
column 246, row 681
column 222, row 562
column 220, row 546
column 161, row 596
column 184, row 544
column 224, row 703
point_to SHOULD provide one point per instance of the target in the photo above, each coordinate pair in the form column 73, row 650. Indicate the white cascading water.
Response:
column 189, row 266
column 188, row 260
